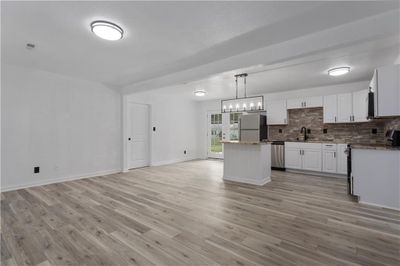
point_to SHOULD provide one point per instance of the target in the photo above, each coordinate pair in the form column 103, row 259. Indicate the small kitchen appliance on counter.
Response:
column 393, row 137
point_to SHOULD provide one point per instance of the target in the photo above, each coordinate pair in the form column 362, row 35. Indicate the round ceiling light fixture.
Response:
column 107, row 30
column 200, row 93
column 338, row 71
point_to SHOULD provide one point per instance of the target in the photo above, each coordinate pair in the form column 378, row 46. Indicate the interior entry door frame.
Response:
column 138, row 135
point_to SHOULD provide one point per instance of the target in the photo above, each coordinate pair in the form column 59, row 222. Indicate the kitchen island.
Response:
column 247, row 162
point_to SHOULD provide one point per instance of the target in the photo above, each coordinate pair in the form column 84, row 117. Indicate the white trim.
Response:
column 251, row 182
column 173, row 161
column 378, row 205
column 60, row 180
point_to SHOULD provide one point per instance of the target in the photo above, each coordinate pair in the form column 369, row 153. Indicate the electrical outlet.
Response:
column 36, row 169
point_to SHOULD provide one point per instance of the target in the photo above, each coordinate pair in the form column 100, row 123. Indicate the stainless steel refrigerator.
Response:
column 253, row 127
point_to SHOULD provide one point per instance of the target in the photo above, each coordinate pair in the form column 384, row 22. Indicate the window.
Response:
column 234, row 126
column 216, row 133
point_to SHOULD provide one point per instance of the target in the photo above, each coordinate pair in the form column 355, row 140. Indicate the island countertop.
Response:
column 375, row 147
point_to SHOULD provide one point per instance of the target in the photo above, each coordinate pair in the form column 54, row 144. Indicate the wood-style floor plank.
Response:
column 184, row 214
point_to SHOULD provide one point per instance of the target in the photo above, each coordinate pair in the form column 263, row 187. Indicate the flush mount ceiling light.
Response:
column 107, row 30
column 200, row 93
column 338, row 71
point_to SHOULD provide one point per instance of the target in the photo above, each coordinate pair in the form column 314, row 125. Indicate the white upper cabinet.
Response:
column 360, row 106
column 330, row 109
column 276, row 112
column 345, row 108
column 295, row 103
column 386, row 87
column 307, row 102
column 311, row 102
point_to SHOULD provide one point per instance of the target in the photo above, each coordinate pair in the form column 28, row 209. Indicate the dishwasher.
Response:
column 278, row 155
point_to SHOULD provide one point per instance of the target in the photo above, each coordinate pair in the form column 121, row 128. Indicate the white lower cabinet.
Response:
column 342, row 159
column 318, row 157
column 305, row 156
column 329, row 158
column 312, row 159
column 293, row 158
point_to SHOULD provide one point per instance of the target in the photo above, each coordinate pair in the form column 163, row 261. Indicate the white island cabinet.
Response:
column 247, row 162
column 376, row 176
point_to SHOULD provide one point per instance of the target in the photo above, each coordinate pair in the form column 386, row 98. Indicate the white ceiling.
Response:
column 306, row 72
column 171, row 43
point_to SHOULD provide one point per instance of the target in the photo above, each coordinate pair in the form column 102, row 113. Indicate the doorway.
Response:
column 215, row 136
column 138, row 135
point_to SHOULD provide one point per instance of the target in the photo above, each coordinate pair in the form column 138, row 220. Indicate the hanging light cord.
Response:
column 245, row 89
column 243, row 75
column 237, row 88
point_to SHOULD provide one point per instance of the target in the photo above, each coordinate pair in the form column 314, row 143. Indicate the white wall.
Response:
column 70, row 128
column 177, row 122
column 215, row 105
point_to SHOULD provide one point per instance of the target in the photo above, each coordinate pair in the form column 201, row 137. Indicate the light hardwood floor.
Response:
column 184, row 214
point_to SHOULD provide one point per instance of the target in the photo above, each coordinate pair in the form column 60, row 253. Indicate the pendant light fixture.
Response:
column 243, row 104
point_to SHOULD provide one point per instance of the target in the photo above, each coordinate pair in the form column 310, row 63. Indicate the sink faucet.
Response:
column 304, row 130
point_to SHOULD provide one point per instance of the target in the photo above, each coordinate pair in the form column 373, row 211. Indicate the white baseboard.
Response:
column 313, row 173
column 249, row 181
column 179, row 160
column 59, row 180
column 378, row 205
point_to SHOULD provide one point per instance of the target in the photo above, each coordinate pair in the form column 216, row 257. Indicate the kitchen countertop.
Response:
column 245, row 142
column 312, row 141
column 353, row 146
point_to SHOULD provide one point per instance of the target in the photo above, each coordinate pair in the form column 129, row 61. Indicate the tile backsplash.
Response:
column 372, row 132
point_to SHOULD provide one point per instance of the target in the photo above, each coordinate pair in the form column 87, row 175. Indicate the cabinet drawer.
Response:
column 329, row 146
column 303, row 145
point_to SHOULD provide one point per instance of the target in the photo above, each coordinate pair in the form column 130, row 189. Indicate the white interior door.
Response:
column 138, row 135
